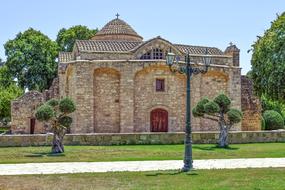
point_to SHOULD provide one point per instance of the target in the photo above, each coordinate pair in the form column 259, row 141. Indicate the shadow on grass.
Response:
column 171, row 173
column 45, row 154
column 213, row 148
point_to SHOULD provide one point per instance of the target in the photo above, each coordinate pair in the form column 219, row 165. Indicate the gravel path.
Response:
column 82, row 167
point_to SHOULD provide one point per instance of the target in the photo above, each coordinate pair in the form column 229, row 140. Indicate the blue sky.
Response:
column 203, row 22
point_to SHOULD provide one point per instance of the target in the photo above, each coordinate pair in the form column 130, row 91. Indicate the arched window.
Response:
column 154, row 54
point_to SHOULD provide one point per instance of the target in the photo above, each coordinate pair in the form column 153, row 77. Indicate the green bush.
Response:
column 52, row 102
column 223, row 101
column 65, row 121
column 201, row 104
column 66, row 105
column 211, row 107
column 273, row 120
column 44, row 112
column 268, row 104
column 196, row 113
column 234, row 115
column 262, row 123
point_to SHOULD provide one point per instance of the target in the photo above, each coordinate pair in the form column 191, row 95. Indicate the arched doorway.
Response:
column 158, row 120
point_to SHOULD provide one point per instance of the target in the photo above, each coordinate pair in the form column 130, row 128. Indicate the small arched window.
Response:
column 154, row 54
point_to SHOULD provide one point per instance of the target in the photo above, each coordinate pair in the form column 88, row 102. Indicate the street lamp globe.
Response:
column 207, row 60
column 170, row 57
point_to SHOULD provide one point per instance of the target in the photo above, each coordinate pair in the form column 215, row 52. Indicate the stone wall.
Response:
column 118, row 96
column 53, row 91
column 251, row 107
column 23, row 110
column 106, row 103
column 147, row 98
column 22, row 113
column 115, row 91
column 142, row 138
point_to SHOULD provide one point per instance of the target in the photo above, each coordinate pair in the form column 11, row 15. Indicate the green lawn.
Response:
column 138, row 152
column 238, row 179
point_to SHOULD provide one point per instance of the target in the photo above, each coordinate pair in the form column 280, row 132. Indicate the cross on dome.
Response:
column 117, row 15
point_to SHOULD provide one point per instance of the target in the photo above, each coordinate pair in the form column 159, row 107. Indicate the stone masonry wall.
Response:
column 106, row 105
column 147, row 98
column 142, row 138
column 250, row 105
column 23, row 110
column 131, row 93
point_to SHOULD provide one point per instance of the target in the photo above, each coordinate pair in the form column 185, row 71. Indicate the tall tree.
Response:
column 6, row 96
column 31, row 59
column 8, row 92
column 1, row 62
column 66, row 37
column 268, row 61
column 6, row 78
column 219, row 110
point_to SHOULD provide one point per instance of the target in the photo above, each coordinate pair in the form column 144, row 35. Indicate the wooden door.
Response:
column 32, row 125
column 159, row 120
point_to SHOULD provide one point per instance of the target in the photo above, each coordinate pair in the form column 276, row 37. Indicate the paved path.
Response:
column 82, row 167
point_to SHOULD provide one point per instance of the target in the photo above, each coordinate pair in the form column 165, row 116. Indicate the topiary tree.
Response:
column 273, row 120
column 56, row 113
column 219, row 110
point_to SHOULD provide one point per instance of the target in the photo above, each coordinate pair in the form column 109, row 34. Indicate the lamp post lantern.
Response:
column 187, row 69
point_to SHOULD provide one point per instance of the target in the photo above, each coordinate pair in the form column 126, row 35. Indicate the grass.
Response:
column 138, row 152
column 245, row 179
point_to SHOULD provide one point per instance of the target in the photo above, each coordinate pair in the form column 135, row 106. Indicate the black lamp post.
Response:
column 189, row 71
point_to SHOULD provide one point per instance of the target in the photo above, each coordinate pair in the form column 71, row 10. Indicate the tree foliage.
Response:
column 1, row 62
column 7, row 94
column 6, row 78
column 268, row 104
column 219, row 110
column 268, row 61
column 56, row 112
column 31, row 59
column 66, row 37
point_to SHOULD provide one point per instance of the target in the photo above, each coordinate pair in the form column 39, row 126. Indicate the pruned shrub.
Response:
column 234, row 115
column 56, row 112
column 273, row 120
column 44, row 112
column 211, row 108
column 66, row 105
column 219, row 110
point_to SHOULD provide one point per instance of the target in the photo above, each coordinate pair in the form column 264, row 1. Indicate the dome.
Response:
column 117, row 29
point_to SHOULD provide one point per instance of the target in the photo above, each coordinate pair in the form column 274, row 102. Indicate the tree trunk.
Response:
column 57, row 143
column 223, row 137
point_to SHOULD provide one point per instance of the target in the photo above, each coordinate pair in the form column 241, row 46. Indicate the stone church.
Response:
column 121, row 84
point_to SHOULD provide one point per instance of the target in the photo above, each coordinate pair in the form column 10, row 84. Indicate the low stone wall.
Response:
column 141, row 138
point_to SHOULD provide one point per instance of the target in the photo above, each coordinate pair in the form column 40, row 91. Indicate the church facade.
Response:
column 121, row 84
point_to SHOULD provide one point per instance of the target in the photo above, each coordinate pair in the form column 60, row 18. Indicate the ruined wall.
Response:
column 250, row 105
column 23, row 110
column 53, row 91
